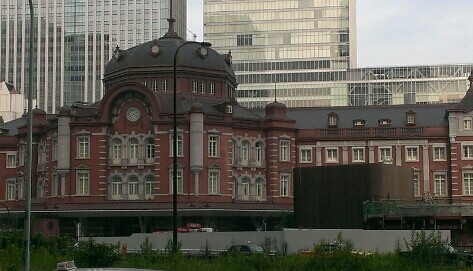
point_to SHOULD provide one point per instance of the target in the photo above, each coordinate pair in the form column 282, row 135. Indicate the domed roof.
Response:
column 38, row 111
column 160, row 53
column 64, row 111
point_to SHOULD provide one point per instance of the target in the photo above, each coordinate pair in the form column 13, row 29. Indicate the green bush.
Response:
column 92, row 254
column 427, row 248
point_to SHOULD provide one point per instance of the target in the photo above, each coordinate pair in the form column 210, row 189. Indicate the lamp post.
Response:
column 27, row 222
column 174, row 144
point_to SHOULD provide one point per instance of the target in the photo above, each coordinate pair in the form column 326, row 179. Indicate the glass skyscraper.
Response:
column 74, row 40
column 283, row 44
column 303, row 53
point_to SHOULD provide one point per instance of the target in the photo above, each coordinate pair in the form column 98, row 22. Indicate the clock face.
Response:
column 133, row 114
column 155, row 49
column 203, row 51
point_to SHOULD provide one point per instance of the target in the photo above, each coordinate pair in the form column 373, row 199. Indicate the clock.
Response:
column 133, row 114
column 203, row 51
column 155, row 50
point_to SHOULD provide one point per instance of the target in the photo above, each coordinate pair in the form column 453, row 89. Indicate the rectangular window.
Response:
column 180, row 150
column 194, row 86
column 82, row 183
column 284, row 150
column 306, row 155
column 213, row 182
column 11, row 160
column 54, row 185
column 21, row 190
column 116, row 151
column 259, row 190
column 133, row 188
column 284, row 185
column 180, row 182
column 416, row 184
column 467, row 124
column 213, row 145
column 384, row 152
column 439, row 153
column 245, row 153
column 154, row 85
column 54, row 149
column 164, row 85
column 333, row 121
column 150, row 149
column 149, row 188
column 21, row 155
column 411, row 118
column 358, row 154
column 211, row 88
column 332, row 155
column 440, row 182
column 83, row 147
column 467, row 151
column 202, row 87
column 245, row 40
column 412, row 154
column 133, row 148
column 11, row 190
column 468, row 183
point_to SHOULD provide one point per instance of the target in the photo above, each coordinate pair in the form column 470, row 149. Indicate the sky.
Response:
column 398, row 32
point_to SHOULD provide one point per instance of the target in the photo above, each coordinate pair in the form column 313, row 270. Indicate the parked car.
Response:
column 331, row 248
column 246, row 249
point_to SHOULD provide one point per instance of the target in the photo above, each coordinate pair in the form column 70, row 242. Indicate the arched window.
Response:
column 116, row 186
column 41, row 155
column 116, row 150
column 259, row 186
column 234, row 188
column 133, row 148
column 133, row 186
column 150, row 148
column 233, row 162
column 40, row 192
column 245, row 189
column 149, row 190
column 259, row 152
column 245, row 153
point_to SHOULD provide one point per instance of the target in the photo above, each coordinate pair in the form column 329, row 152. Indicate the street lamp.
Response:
column 174, row 146
column 27, row 222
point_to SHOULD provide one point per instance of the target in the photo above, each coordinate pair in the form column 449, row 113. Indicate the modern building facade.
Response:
column 370, row 86
column 74, row 40
column 284, row 45
column 304, row 53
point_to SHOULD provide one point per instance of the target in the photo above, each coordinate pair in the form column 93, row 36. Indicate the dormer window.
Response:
column 229, row 109
column 410, row 117
column 332, row 120
column 358, row 123
column 384, row 122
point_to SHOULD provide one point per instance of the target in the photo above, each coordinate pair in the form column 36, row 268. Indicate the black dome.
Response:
column 142, row 56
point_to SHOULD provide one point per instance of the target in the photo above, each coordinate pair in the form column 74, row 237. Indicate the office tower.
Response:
column 303, row 53
column 291, row 46
column 74, row 40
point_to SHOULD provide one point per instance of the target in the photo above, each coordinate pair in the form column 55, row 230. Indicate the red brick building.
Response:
column 108, row 165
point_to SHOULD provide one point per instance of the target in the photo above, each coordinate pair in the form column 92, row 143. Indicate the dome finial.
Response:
column 171, row 20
